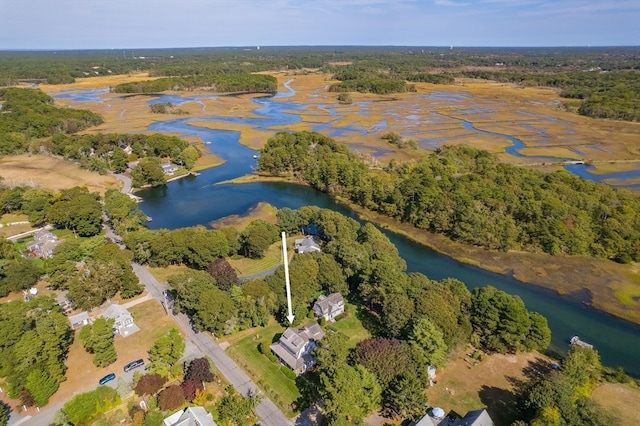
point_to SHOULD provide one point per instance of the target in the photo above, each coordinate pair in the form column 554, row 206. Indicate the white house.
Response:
column 295, row 346
column 79, row 320
column 43, row 244
column 190, row 416
column 169, row 169
column 123, row 321
column 329, row 307
column 308, row 244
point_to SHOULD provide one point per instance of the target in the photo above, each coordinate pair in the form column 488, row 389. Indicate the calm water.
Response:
column 201, row 200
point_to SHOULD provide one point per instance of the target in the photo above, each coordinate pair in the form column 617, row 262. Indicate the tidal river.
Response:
column 201, row 200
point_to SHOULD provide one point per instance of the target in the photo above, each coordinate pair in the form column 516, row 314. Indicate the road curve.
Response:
column 266, row 410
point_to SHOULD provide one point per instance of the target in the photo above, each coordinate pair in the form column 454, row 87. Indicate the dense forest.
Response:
column 29, row 114
column 469, row 196
column 218, row 83
column 602, row 81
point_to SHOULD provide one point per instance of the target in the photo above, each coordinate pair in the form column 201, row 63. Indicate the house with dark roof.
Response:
column 329, row 307
column 308, row 244
column 123, row 321
column 295, row 346
column 190, row 416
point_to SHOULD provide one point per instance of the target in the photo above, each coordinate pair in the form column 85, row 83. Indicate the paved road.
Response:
column 269, row 414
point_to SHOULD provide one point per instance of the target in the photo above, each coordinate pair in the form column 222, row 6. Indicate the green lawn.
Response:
column 281, row 390
column 351, row 326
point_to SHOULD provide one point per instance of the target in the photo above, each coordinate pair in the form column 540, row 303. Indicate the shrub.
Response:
column 339, row 317
column 288, row 372
column 323, row 321
column 272, row 358
column 263, row 348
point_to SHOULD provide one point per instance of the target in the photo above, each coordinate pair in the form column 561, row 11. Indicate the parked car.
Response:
column 109, row 377
column 133, row 364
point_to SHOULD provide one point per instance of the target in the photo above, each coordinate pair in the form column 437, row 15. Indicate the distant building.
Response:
column 295, row 346
column 169, row 169
column 329, row 307
column 308, row 244
column 43, row 244
column 190, row 416
column 123, row 321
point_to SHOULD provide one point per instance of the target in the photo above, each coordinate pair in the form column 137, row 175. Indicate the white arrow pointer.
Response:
column 290, row 317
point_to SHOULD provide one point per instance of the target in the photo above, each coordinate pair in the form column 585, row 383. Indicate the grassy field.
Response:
column 464, row 385
column 52, row 173
column 280, row 389
column 621, row 400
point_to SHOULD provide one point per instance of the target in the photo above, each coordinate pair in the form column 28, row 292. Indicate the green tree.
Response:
column 97, row 338
column 234, row 409
column 119, row 160
column 41, row 386
column 350, row 393
column 165, row 352
column 428, row 343
column 257, row 237
column 189, row 156
column 148, row 172
column 18, row 274
column 405, row 396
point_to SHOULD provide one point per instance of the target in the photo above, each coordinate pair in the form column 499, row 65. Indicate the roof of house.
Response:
column 475, row 418
column 425, row 420
column 308, row 243
column 327, row 303
column 115, row 311
column 292, row 340
column 287, row 357
column 313, row 331
column 191, row 416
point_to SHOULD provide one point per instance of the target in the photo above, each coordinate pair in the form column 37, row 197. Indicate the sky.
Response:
column 117, row 24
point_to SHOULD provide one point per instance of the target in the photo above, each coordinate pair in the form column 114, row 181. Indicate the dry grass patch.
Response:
column 464, row 385
column 53, row 173
column 264, row 211
column 621, row 400
column 163, row 274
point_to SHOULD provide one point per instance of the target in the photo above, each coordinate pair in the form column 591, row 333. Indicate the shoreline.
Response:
column 474, row 256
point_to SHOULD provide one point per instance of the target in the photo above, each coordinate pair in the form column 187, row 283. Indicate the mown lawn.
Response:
column 280, row 389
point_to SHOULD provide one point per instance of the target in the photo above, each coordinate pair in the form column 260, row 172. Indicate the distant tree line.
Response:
column 614, row 95
column 218, row 83
column 469, row 196
column 65, row 66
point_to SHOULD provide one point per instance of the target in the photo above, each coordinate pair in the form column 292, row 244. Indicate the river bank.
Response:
column 601, row 284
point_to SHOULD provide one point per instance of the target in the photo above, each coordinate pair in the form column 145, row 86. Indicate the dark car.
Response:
column 109, row 377
column 133, row 364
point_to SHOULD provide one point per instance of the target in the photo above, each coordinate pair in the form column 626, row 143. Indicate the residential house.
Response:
column 472, row 418
column 79, row 320
column 43, row 244
column 295, row 346
column 169, row 169
column 190, row 416
column 308, row 244
column 329, row 307
column 123, row 321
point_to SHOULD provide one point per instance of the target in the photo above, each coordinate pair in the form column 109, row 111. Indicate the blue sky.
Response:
column 86, row 24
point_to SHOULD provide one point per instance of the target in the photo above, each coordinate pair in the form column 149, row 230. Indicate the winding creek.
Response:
column 200, row 200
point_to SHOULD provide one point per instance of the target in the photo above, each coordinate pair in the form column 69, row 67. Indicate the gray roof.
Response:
column 307, row 244
column 116, row 311
column 475, row 418
column 327, row 304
